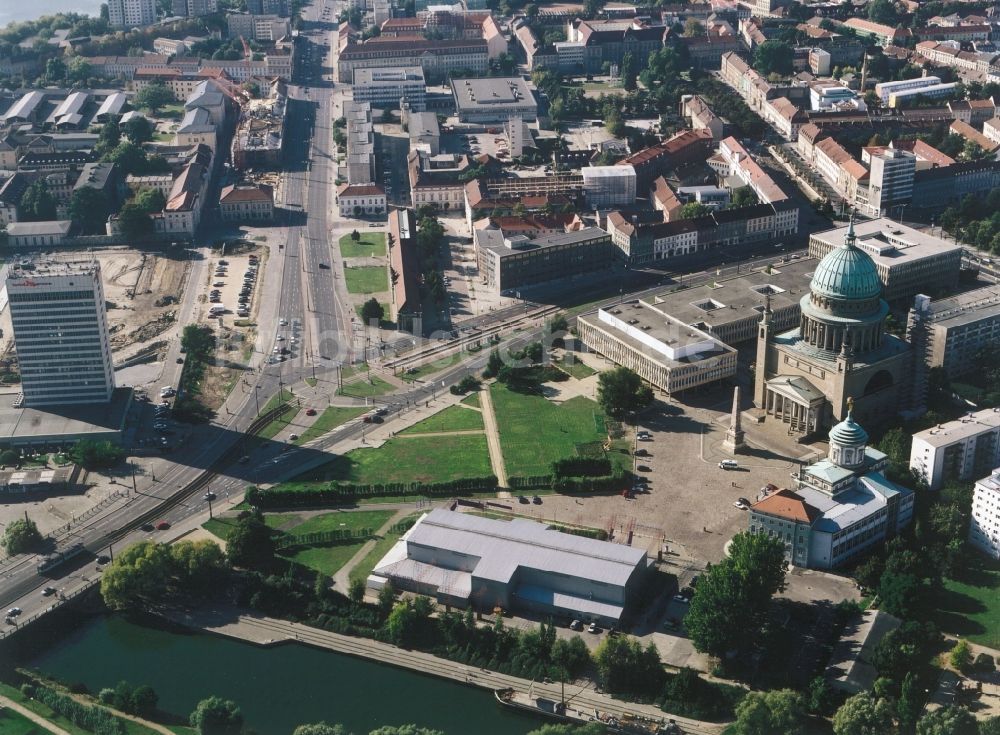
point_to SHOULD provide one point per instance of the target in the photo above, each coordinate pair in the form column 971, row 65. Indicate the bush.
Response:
column 94, row 455
column 581, row 467
column 984, row 664
column 95, row 719
column 20, row 536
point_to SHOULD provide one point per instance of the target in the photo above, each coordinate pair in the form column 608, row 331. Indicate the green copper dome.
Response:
column 847, row 273
column 848, row 433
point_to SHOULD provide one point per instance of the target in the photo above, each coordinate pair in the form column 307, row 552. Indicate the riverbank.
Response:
column 264, row 631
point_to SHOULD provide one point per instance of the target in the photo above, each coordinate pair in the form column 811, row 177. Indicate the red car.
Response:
column 162, row 526
column 310, row 412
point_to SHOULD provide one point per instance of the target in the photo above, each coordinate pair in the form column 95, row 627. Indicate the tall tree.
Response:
column 864, row 714
column 249, row 544
column 37, row 203
column 949, row 720
column 153, row 97
column 621, row 391
column 779, row 712
column 773, row 57
column 884, row 12
column 139, row 130
column 20, row 535
column 730, row 608
column 217, row 716
column 89, row 209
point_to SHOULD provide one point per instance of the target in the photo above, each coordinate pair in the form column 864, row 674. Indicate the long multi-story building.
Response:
column 360, row 143
column 950, row 332
column 437, row 58
column 387, row 87
column 984, row 526
column 958, row 450
column 131, row 13
column 60, row 327
column 667, row 353
column 509, row 261
column 908, row 261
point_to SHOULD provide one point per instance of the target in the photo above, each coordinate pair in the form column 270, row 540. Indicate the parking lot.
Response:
column 231, row 288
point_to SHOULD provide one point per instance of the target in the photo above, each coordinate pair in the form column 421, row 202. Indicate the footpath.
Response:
column 265, row 631
column 37, row 719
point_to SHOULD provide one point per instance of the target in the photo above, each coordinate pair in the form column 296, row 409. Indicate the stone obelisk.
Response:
column 734, row 436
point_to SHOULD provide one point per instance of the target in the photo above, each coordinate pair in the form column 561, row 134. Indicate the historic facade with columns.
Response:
column 804, row 376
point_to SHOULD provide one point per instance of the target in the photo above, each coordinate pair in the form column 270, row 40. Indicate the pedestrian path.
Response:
column 37, row 719
column 493, row 437
column 262, row 630
column 342, row 579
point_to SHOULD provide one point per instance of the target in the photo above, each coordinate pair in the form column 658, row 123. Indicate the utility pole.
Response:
column 209, row 495
column 132, row 467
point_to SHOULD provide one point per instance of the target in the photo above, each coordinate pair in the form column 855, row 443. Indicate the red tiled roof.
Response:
column 787, row 504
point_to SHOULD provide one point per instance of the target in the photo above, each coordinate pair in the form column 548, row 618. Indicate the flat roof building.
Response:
column 511, row 261
column 908, row 261
column 958, row 450
column 730, row 309
column 60, row 327
column 494, row 99
column 464, row 560
column 386, row 87
column 950, row 332
column 984, row 526
column 667, row 353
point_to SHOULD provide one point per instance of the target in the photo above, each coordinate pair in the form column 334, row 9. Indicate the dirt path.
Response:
column 493, row 437
column 37, row 719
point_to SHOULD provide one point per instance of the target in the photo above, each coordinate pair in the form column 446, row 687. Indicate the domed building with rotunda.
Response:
column 840, row 349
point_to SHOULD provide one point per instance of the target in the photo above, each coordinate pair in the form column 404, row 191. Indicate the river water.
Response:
column 276, row 688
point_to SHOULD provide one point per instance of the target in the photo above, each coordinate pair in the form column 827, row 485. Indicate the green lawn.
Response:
column 350, row 520
column 331, row 418
column 575, row 368
column 364, row 567
column 471, row 400
column 430, row 368
column 366, row 389
column 418, row 459
column 276, row 425
column 12, row 723
column 534, row 432
column 371, row 244
column 272, row 402
column 453, row 418
column 325, row 558
column 970, row 606
column 221, row 526
column 367, row 279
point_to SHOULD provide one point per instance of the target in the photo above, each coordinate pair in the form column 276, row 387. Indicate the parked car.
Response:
column 146, row 527
column 576, row 625
column 643, row 468
column 293, row 437
column 162, row 526
column 536, row 500
column 209, row 495
column 592, row 628
column 681, row 599
column 48, row 591
column 310, row 412
column 523, row 499
column 641, row 452
column 13, row 612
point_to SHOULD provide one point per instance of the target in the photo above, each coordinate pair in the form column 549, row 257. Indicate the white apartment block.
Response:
column 60, row 327
column 131, row 13
column 885, row 89
column 384, row 87
column 984, row 526
column 961, row 449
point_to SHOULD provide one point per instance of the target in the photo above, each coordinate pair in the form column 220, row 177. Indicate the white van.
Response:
column 729, row 464
column 216, row 310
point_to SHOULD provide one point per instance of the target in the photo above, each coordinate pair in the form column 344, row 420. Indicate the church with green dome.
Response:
column 840, row 349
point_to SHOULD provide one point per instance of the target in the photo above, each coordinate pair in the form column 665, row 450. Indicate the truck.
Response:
column 216, row 310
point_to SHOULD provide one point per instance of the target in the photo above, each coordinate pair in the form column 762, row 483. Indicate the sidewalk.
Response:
column 493, row 436
column 266, row 631
column 37, row 719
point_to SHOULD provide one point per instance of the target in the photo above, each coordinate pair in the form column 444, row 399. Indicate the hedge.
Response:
column 324, row 537
column 336, row 493
column 581, row 467
column 590, row 484
column 96, row 719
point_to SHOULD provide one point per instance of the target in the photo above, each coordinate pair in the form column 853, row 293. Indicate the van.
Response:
column 217, row 310
column 729, row 464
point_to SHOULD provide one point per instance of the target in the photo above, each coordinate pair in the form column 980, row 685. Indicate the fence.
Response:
column 324, row 537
